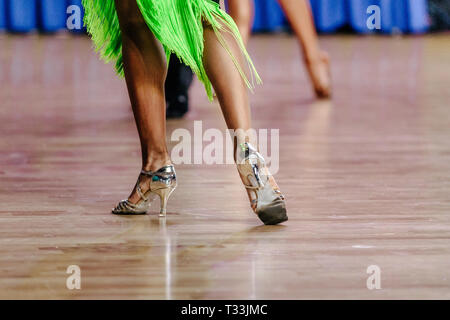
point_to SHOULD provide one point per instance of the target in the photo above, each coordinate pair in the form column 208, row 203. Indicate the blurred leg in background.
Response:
column 179, row 79
column 317, row 62
column 300, row 17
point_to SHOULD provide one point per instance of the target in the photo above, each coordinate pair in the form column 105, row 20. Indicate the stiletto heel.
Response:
column 162, row 183
column 164, row 195
column 266, row 199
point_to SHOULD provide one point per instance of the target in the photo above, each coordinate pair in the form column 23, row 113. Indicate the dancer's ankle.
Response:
column 155, row 161
column 240, row 146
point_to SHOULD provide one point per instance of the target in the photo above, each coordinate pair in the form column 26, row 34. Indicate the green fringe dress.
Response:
column 177, row 24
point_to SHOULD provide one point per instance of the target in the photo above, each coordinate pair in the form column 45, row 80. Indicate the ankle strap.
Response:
column 161, row 170
column 146, row 173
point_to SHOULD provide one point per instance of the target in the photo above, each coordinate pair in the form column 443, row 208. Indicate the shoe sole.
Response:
column 128, row 213
column 274, row 213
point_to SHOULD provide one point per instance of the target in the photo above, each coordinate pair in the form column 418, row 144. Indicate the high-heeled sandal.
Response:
column 266, row 199
column 162, row 183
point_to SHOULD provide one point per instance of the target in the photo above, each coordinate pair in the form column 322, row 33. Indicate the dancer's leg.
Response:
column 265, row 198
column 179, row 79
column 145, row 73
column 227, row 82
column 299, row 15
column 242, row 12
column 317, row 61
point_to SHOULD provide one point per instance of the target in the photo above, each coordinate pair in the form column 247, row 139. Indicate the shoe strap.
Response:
column 149, row 174
column 161, row 170
column 274, row 188
column 140, row 193
column 126, row 205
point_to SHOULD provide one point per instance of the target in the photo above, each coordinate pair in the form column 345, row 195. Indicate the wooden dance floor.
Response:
column 366, row 176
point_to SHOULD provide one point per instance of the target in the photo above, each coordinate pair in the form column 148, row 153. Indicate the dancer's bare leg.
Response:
column 145, row 73
column 231, row 90
column 299, row 15
column 227, row 82
column 316, row 60
column 242, row 12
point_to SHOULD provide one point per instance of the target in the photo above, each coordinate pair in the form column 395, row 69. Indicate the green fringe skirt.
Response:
column 177, row 24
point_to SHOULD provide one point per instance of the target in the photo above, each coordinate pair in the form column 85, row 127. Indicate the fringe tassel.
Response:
column 102, row 24
column 177, row 24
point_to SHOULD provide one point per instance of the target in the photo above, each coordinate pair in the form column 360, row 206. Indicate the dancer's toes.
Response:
column 138, row 202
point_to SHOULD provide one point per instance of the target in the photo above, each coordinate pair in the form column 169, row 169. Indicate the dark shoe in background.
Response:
column 439, row 11
column 179, row 79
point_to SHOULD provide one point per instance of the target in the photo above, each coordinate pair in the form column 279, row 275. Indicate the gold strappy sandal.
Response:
column 162, row 183
column 266, row 199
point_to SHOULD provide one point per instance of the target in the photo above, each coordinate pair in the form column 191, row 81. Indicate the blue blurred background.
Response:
column 406, row 16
